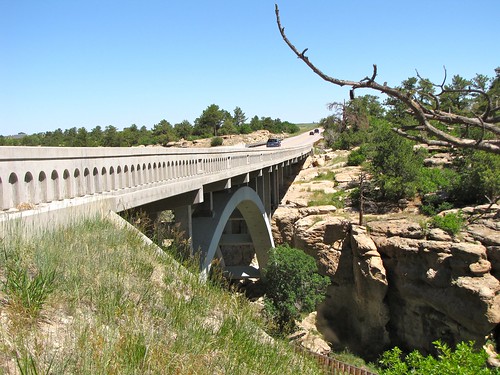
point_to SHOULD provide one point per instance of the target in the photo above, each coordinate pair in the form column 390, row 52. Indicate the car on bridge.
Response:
column 273, row 142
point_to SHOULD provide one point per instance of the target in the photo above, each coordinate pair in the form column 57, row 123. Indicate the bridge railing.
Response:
column 34, row 175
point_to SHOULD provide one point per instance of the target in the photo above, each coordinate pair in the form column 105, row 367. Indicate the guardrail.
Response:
column 34, row 175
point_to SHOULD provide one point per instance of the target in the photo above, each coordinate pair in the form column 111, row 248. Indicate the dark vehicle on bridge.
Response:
column 316, row 130
column 311, row 133
column 273, row 142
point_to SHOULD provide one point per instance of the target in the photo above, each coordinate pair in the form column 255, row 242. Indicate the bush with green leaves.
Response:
column 464, row 360
column 432, row 180
column 357, row 156
column 478, row 177
column 293, row 285
column 395, row 166
column 216, row 141
column 432, row 204
column 451, row 222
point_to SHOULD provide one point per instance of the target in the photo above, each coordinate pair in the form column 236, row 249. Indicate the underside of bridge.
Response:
column 229, row 221
column 236, row 228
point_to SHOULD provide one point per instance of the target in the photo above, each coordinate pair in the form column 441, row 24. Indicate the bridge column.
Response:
column 266, row 191
column 275, row 196
column 208, row 230
column 184, row 220
column 281, row 177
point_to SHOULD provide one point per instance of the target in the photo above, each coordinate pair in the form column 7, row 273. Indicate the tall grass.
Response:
column 328, row 175
column 320, row 198
column 117, row 306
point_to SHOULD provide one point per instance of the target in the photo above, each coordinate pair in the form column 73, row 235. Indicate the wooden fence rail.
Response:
column 334, row 366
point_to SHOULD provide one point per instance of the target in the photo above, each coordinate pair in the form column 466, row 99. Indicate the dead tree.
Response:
column 425, row 130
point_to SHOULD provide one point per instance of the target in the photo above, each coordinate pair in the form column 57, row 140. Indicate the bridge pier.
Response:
column 208, row 231
column 184, row 220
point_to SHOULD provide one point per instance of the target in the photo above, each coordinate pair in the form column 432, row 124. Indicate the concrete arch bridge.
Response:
column 222, row 197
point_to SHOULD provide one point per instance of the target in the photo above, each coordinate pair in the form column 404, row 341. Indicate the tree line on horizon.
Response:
column 213, row 122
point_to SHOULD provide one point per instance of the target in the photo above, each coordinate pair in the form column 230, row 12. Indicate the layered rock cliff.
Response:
column 393, row 284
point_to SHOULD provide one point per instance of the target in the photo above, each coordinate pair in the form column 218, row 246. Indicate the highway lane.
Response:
column 298, row 140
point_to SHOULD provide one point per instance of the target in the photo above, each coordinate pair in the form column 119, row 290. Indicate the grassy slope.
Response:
column 116, row 306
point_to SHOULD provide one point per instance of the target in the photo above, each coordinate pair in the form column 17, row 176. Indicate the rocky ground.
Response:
column 395, row 280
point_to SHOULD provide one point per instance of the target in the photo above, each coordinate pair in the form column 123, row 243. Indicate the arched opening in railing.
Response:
column 138, row 180
column 163, row 175
column 77, row 183
column 14, row 189
column 29, row 187
column 88, row 181
column 97, row 183
column 56, row 193
column 133, row 176
column 150, row 177
column 119, row 177
column 104, row 179
column 68, row 193
column 191, row 167
column 112, row 183
column 126, row 177
column 167, row 171
column 155, row 172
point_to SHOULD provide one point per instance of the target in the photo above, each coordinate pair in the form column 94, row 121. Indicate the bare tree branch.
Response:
column 488, row 121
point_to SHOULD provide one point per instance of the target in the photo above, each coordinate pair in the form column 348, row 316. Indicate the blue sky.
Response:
column 83, row 63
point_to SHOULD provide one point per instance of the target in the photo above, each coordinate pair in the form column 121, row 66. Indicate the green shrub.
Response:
column 348, row 139
column 245, row 129
column 216, row 141
column 293, row 285
column 450, row 222
column 432, row 204
column 395, row 166
column 431, row 180
column 464, row 360
column 478, row 177
column 356, row 157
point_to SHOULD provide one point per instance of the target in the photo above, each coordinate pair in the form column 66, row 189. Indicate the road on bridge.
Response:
column 298, row 140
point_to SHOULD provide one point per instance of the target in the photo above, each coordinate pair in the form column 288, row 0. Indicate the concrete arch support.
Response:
column 207, row 231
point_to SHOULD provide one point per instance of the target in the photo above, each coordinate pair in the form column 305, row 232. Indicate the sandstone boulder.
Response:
column 322, row 237
column 308, row 337
column 486, row 233
column 283, row 222
column 439, row 290
column 397, row 227
column 317, row 210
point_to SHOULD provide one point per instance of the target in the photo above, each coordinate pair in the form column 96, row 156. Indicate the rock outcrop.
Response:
column 396, row 283
column 438, row 289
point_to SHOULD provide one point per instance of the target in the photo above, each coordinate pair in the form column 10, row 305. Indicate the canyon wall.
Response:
column 395, row 283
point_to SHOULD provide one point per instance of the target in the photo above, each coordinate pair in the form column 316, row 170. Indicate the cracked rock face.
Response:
column 398, row 284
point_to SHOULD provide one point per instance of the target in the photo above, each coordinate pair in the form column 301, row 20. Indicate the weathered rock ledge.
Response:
column 396, row 283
